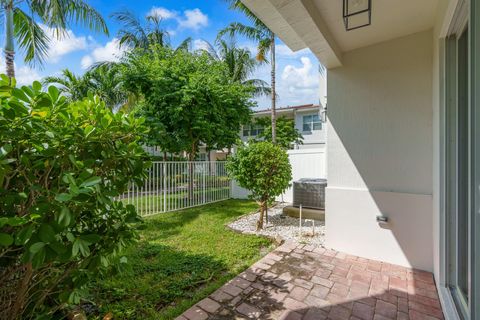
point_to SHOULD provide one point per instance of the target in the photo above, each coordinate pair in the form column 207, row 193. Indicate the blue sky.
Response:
column 297, row 75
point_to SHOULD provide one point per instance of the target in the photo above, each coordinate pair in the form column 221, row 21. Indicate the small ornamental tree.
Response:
column 62, row 167
column 264, row 169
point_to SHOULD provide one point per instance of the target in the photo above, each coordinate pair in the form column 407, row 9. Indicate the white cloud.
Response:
column 23, row 74
column 67, row 43
column 111, row 51
column 300, row 78
column 163, row 13
column 193, row 19
column 297, row 81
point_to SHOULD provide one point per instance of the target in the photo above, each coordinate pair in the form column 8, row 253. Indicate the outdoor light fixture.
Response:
column 357, row 13
column 323, row 114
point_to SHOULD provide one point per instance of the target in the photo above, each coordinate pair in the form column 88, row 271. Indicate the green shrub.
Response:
column 61, row 165
column 264, row 169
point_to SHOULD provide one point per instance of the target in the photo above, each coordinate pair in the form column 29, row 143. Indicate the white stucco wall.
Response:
column 380, row 148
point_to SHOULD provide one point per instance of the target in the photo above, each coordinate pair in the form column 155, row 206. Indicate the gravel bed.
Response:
column 283, row 227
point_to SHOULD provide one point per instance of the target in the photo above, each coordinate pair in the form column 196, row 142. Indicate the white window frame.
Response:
column 311, row 123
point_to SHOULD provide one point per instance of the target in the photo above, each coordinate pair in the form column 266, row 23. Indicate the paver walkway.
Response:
column 302, row 282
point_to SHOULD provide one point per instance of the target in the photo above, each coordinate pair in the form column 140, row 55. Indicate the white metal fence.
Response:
column 176, row 185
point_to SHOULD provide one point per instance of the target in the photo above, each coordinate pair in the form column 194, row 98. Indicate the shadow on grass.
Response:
column 181, row 258
column 160, row 278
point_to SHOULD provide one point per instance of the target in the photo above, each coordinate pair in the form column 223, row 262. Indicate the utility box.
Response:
column 310, row 193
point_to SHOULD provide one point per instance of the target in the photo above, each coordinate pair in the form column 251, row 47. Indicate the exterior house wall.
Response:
column 380, row 148
column 312, row 139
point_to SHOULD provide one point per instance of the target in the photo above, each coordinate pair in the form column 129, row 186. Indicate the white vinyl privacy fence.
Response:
column 306, row 163
column 178, row 185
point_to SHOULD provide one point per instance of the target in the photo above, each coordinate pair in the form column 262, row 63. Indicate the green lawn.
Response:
column 181, row 258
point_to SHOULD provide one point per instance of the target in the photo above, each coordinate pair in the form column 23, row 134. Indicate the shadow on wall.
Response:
column 380, row 152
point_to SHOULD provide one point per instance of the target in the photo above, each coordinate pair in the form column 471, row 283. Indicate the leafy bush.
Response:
column 61, row 165
column 264, row 169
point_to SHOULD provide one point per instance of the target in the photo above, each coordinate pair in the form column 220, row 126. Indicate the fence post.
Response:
column 203, row 178
column 164, row 186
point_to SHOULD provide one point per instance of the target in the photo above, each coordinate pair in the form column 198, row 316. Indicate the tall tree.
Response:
column 265, row 40
column 23, row 26
column 106, row 80
column 102, row 79
column 240, row 65
column 136, row 34
column 188, row 99
column 73, row 86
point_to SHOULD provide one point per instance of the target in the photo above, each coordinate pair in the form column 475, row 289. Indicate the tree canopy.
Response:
column 187, row 99
column 287, row 134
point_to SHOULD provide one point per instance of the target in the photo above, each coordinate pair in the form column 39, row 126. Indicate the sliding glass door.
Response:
column 462, row 160
column 458, row 166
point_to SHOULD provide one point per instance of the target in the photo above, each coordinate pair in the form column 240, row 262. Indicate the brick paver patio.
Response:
column 302, row 282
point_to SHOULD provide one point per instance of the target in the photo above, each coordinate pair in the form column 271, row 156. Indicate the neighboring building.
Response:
column 403, row 132
column 307, row 119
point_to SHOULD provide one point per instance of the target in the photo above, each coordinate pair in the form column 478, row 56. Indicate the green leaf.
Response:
column 34, row 248
column 88, row 130
column 39, row 257
column 19, row 94
column 57, row 247
column 37, row 86
column 24, row 235
column 46, row 233
column 63, row 197
column 5, row 150
column 90, row 182
column 6, row 239
column 54, row 93
column 65, row 217
column 90, row 238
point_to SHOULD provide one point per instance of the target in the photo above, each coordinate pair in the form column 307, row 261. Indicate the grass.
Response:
column 181, row 258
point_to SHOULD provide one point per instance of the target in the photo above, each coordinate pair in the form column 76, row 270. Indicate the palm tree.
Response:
column 265, row 40
column 107, row 84
column 240, row 64
column 72, row 86
column 21, row 26
column 134, row 34
column 102, row 79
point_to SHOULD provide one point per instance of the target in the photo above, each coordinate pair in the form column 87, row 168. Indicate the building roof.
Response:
column 287, row 108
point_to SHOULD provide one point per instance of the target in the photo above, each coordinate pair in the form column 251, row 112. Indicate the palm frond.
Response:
column 185, row 45
column 30, row 37
column 84, row 14
column 236, row 28
column 239, row 6
column 132, row 32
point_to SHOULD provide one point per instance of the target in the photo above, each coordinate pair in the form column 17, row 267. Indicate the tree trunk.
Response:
column 22, row 291
column 164, row 156
column 274, row 98
column 262, row 214
column 9, row 48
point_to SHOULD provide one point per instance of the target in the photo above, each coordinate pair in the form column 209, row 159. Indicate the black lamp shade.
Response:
column 357, row 13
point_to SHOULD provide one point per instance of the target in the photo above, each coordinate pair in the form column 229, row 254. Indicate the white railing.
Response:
column 176, row 185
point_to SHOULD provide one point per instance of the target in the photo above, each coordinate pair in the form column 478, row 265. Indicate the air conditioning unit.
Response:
column 310, row 193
